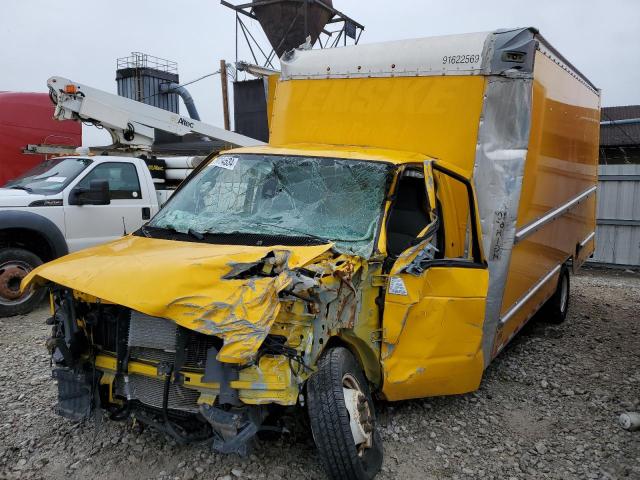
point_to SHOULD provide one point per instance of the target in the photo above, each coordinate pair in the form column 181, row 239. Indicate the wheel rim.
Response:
column 11, row 274
column 564, row 293
column 360, row 417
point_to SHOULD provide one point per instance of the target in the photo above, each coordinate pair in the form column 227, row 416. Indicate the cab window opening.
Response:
column 409, row 213
column 459, row 215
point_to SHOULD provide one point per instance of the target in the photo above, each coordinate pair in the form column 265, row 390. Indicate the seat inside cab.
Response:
column 409, row 213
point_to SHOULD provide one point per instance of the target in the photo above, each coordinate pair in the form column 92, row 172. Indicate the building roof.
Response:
column 620, row 135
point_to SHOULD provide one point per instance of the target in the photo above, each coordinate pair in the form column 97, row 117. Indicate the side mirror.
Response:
column 96, row 194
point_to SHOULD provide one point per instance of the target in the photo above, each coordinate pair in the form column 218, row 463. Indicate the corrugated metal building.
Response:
column 620, row 144
column 618, row 224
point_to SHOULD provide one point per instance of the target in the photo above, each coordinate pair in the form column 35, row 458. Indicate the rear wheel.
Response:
column 15, row 264
column 342, row 418
column 556, row 308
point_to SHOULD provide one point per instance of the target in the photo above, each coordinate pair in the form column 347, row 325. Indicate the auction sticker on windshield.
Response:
column 55, row 179
column 226, row 162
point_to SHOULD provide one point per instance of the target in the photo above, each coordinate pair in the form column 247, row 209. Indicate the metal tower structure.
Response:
column 288, row 24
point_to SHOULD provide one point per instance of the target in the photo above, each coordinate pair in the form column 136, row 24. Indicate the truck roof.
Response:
column 102, row 158
column 351, row 152
column 501, row 52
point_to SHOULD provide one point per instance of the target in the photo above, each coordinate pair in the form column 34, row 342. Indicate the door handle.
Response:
column 146, row 213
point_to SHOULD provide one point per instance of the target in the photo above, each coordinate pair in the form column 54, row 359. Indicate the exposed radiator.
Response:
column 150, row 391
column 154, row 339
column 152, row 332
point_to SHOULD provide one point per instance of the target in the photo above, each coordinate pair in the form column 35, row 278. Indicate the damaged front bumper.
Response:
column 213, row 338
column 271, row 381
column 170, row 378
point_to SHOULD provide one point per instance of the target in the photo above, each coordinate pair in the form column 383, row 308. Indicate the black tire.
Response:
column 556, row 308
column 330, row 419
column 16, row 263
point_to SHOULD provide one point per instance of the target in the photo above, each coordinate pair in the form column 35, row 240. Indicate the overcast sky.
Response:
column 82, row 40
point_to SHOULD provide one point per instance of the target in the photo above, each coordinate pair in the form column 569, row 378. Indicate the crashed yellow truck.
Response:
column 419, row 201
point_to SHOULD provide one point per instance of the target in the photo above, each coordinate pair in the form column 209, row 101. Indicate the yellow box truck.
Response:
column 419, row 201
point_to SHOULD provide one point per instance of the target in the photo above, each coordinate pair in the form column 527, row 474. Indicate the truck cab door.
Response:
column 89, row 225
column 435, row 296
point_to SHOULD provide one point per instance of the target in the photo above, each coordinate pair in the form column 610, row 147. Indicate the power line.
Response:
column 200, row 78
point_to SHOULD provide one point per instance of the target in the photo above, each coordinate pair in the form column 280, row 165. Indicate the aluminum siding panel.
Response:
column 618, row 230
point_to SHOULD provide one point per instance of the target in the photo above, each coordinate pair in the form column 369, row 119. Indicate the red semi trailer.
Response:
column 27, row 118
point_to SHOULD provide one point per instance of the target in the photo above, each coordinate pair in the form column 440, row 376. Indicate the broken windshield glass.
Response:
column 333, row 199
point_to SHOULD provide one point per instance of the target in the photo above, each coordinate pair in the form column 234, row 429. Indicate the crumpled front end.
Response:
column 204, row 341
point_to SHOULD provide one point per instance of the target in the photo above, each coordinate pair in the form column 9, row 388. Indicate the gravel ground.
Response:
column 547, row 408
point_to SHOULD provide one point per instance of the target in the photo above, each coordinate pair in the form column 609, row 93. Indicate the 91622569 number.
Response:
column 458, row 59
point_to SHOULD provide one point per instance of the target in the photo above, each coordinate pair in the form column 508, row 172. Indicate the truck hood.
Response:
column 203, row 287
column 12, row 197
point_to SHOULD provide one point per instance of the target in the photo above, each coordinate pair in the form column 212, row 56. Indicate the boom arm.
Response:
column 130, row 123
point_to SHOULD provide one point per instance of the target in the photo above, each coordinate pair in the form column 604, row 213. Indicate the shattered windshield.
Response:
column 334, row 199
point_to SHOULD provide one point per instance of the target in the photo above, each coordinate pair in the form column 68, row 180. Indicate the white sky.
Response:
column 81, row 40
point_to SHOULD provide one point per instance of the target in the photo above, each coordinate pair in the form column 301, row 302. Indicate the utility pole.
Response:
column 225, row 93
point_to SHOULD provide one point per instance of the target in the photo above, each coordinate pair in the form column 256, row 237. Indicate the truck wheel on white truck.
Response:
column 15, row 264
column 64, row 205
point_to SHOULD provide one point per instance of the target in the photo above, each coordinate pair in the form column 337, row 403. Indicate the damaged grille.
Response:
column 150, row 391
column 197, row 346
column 105, row 332
column 154, row 339
column 152, row 332
column 151, row 354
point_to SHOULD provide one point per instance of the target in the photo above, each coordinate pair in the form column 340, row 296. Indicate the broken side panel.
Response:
column 434, row 305
column 503, row 139
column 432, row 337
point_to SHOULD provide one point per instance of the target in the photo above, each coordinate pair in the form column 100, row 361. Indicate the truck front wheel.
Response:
column 15, row 264
column 342, row 417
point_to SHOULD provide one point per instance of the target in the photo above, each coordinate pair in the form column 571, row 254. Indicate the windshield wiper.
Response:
column 293, row 230
column 200, row 236
column 195, row 234
column 191, row 232
column 22, row 187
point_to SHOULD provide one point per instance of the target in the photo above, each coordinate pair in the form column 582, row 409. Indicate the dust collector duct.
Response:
column 186, row 97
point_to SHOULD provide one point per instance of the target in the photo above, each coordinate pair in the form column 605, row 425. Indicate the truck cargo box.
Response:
column 505, row 106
